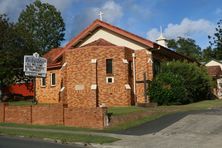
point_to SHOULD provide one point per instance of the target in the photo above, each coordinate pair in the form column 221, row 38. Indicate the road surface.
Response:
column 14, row 142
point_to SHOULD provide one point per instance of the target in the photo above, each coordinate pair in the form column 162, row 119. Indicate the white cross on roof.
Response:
column 101, row 15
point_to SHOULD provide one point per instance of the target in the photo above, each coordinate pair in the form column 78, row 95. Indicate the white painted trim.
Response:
column 93, row 86
column 63, row 66
column 62, row 89
column 127, row 86
column 51, row 79
column 150, row 61
column 125, row 61
column 42, row 82
column 109, row 82
column 93, row 61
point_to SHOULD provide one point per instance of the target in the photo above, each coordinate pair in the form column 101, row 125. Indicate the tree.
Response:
column 186, row 47
column 44, row 23
column 14, row 43
column 208, row 54
column 216, row 40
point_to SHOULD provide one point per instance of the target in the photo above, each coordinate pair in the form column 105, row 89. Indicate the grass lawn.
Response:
column 20, row 103
column 159, row 111
column 125, row 110
column 64, row 137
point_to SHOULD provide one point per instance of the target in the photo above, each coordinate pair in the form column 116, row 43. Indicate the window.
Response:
column 43, row 82
column 156, row 68
column 130, row 68
column 53, row 79
column 109, row 79
column 109, row 66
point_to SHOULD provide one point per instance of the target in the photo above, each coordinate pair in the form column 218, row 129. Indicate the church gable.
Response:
column 113, row 38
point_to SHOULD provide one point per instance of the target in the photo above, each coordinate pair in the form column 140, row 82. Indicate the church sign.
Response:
column 35, row 66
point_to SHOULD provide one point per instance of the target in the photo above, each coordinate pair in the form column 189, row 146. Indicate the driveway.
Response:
column 196, row 129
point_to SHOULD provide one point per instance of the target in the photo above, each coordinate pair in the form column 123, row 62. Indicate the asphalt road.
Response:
column 13, row 142
column 158, row 124
column 196, row 129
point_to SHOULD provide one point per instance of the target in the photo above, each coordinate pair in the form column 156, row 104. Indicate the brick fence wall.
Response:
column 54, row 114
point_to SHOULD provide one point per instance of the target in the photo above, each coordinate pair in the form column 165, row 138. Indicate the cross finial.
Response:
column 161, row 31
column 101, row 15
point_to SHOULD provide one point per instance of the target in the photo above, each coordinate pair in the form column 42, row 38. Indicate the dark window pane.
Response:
column 53, row 79
column 110, row 80
column 109, row 66
column 43, row 81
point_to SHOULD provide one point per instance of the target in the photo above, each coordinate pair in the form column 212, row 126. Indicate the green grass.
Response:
column 125, row 110
column 160, row 111
column 64, row 137
column 55, row 127
column 21, row 103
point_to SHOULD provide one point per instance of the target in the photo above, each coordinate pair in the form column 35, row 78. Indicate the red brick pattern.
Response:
column 18, row 114
column 80, row 71
column 2, row 110
column 49, row 94
column 54, row 114
column 80, row 117
column 47, row 114
column 142, row 66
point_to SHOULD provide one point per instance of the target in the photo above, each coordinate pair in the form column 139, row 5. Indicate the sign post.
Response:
column 35, row 66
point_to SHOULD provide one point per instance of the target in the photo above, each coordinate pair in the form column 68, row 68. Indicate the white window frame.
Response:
column 42, row 82
column 108, row 81
column 51, row 79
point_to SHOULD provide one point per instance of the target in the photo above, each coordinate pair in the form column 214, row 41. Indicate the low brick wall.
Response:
column 2, row 114
column 81, row 117
column 18, row 114
column 54, row 114
column 47, row 114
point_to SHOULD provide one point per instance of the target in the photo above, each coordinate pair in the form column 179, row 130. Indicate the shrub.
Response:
column 197, row 81
column 168, row 88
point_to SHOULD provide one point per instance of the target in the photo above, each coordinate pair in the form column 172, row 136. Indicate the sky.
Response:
column 194, row 19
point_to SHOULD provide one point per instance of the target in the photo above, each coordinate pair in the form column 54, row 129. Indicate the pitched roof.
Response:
column 214, row 70
column 97, row 24
column 100, row 24
column 50, row 56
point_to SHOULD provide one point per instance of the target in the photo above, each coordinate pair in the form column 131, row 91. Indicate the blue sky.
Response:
column 195, row 19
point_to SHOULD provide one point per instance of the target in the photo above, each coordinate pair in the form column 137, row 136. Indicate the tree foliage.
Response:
column 208, row 54
column 44, row 23
column 14, row 43
column 187, row 47
column 216, row 41
column 196, row 82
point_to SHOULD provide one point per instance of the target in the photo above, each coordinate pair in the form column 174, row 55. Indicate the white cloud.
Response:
column 187, row 28
column 60, row 4
column 112, row 12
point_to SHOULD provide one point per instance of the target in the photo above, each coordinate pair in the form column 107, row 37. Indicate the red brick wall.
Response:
column 82, row 117
column 54, row 114
column 80, row 71
column 47, row 114
column 18, row 114
column 2, row 112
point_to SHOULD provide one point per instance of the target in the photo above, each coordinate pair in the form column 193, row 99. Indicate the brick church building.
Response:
column 103, row 65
